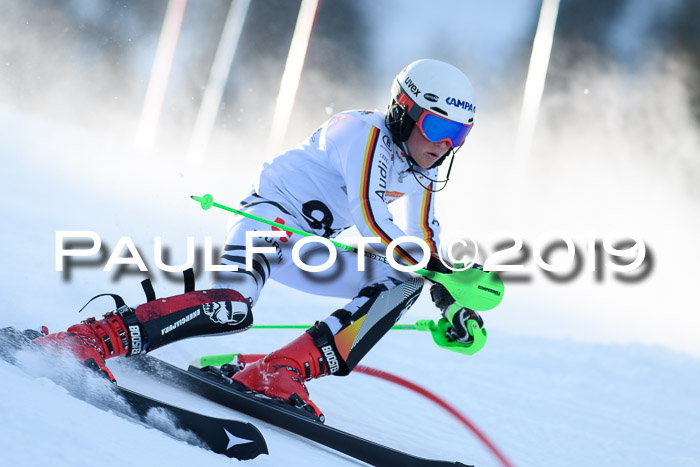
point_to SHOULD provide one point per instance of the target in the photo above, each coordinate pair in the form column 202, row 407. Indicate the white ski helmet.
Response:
column 435, row 96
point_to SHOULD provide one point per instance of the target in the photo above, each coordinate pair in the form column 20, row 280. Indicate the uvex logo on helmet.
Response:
column 460, row 103
column 412, row 86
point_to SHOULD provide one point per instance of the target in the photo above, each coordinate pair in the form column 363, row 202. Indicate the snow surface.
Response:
column 542, row 401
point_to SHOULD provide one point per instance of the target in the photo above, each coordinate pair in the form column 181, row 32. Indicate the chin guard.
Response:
column 433, row 185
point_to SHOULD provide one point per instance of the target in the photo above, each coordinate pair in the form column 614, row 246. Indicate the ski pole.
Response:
column 471, row 288
column 307, row 326
column 437, row 330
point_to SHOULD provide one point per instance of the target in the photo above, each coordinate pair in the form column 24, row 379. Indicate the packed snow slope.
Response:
column 543, row 401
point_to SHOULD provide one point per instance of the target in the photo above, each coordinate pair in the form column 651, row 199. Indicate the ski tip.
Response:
column 245, row 442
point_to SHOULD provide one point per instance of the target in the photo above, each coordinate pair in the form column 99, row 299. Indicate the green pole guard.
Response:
column 472, row 288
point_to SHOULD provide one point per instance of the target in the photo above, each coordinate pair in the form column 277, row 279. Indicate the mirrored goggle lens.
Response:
column 438, row 129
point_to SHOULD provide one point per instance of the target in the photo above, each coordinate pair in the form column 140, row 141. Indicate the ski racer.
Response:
column 345, row 174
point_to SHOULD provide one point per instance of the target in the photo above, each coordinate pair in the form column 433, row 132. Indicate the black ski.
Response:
column 231, row 438
column 211, row 384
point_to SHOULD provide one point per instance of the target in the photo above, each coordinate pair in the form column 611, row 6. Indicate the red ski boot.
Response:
column 93, row 341
column 282, row 373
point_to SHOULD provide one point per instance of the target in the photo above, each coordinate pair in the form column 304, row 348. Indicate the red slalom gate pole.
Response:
column 425, row 393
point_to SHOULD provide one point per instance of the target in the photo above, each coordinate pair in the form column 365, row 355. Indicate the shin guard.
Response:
column 197, row 313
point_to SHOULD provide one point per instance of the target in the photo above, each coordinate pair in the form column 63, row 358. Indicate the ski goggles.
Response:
column 438, row 129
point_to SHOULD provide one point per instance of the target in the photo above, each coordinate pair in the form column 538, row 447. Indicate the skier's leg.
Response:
column 336, row 344
column 353, row 330
column 158, row 322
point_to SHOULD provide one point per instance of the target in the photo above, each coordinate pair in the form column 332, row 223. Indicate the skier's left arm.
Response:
column 421, row 222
